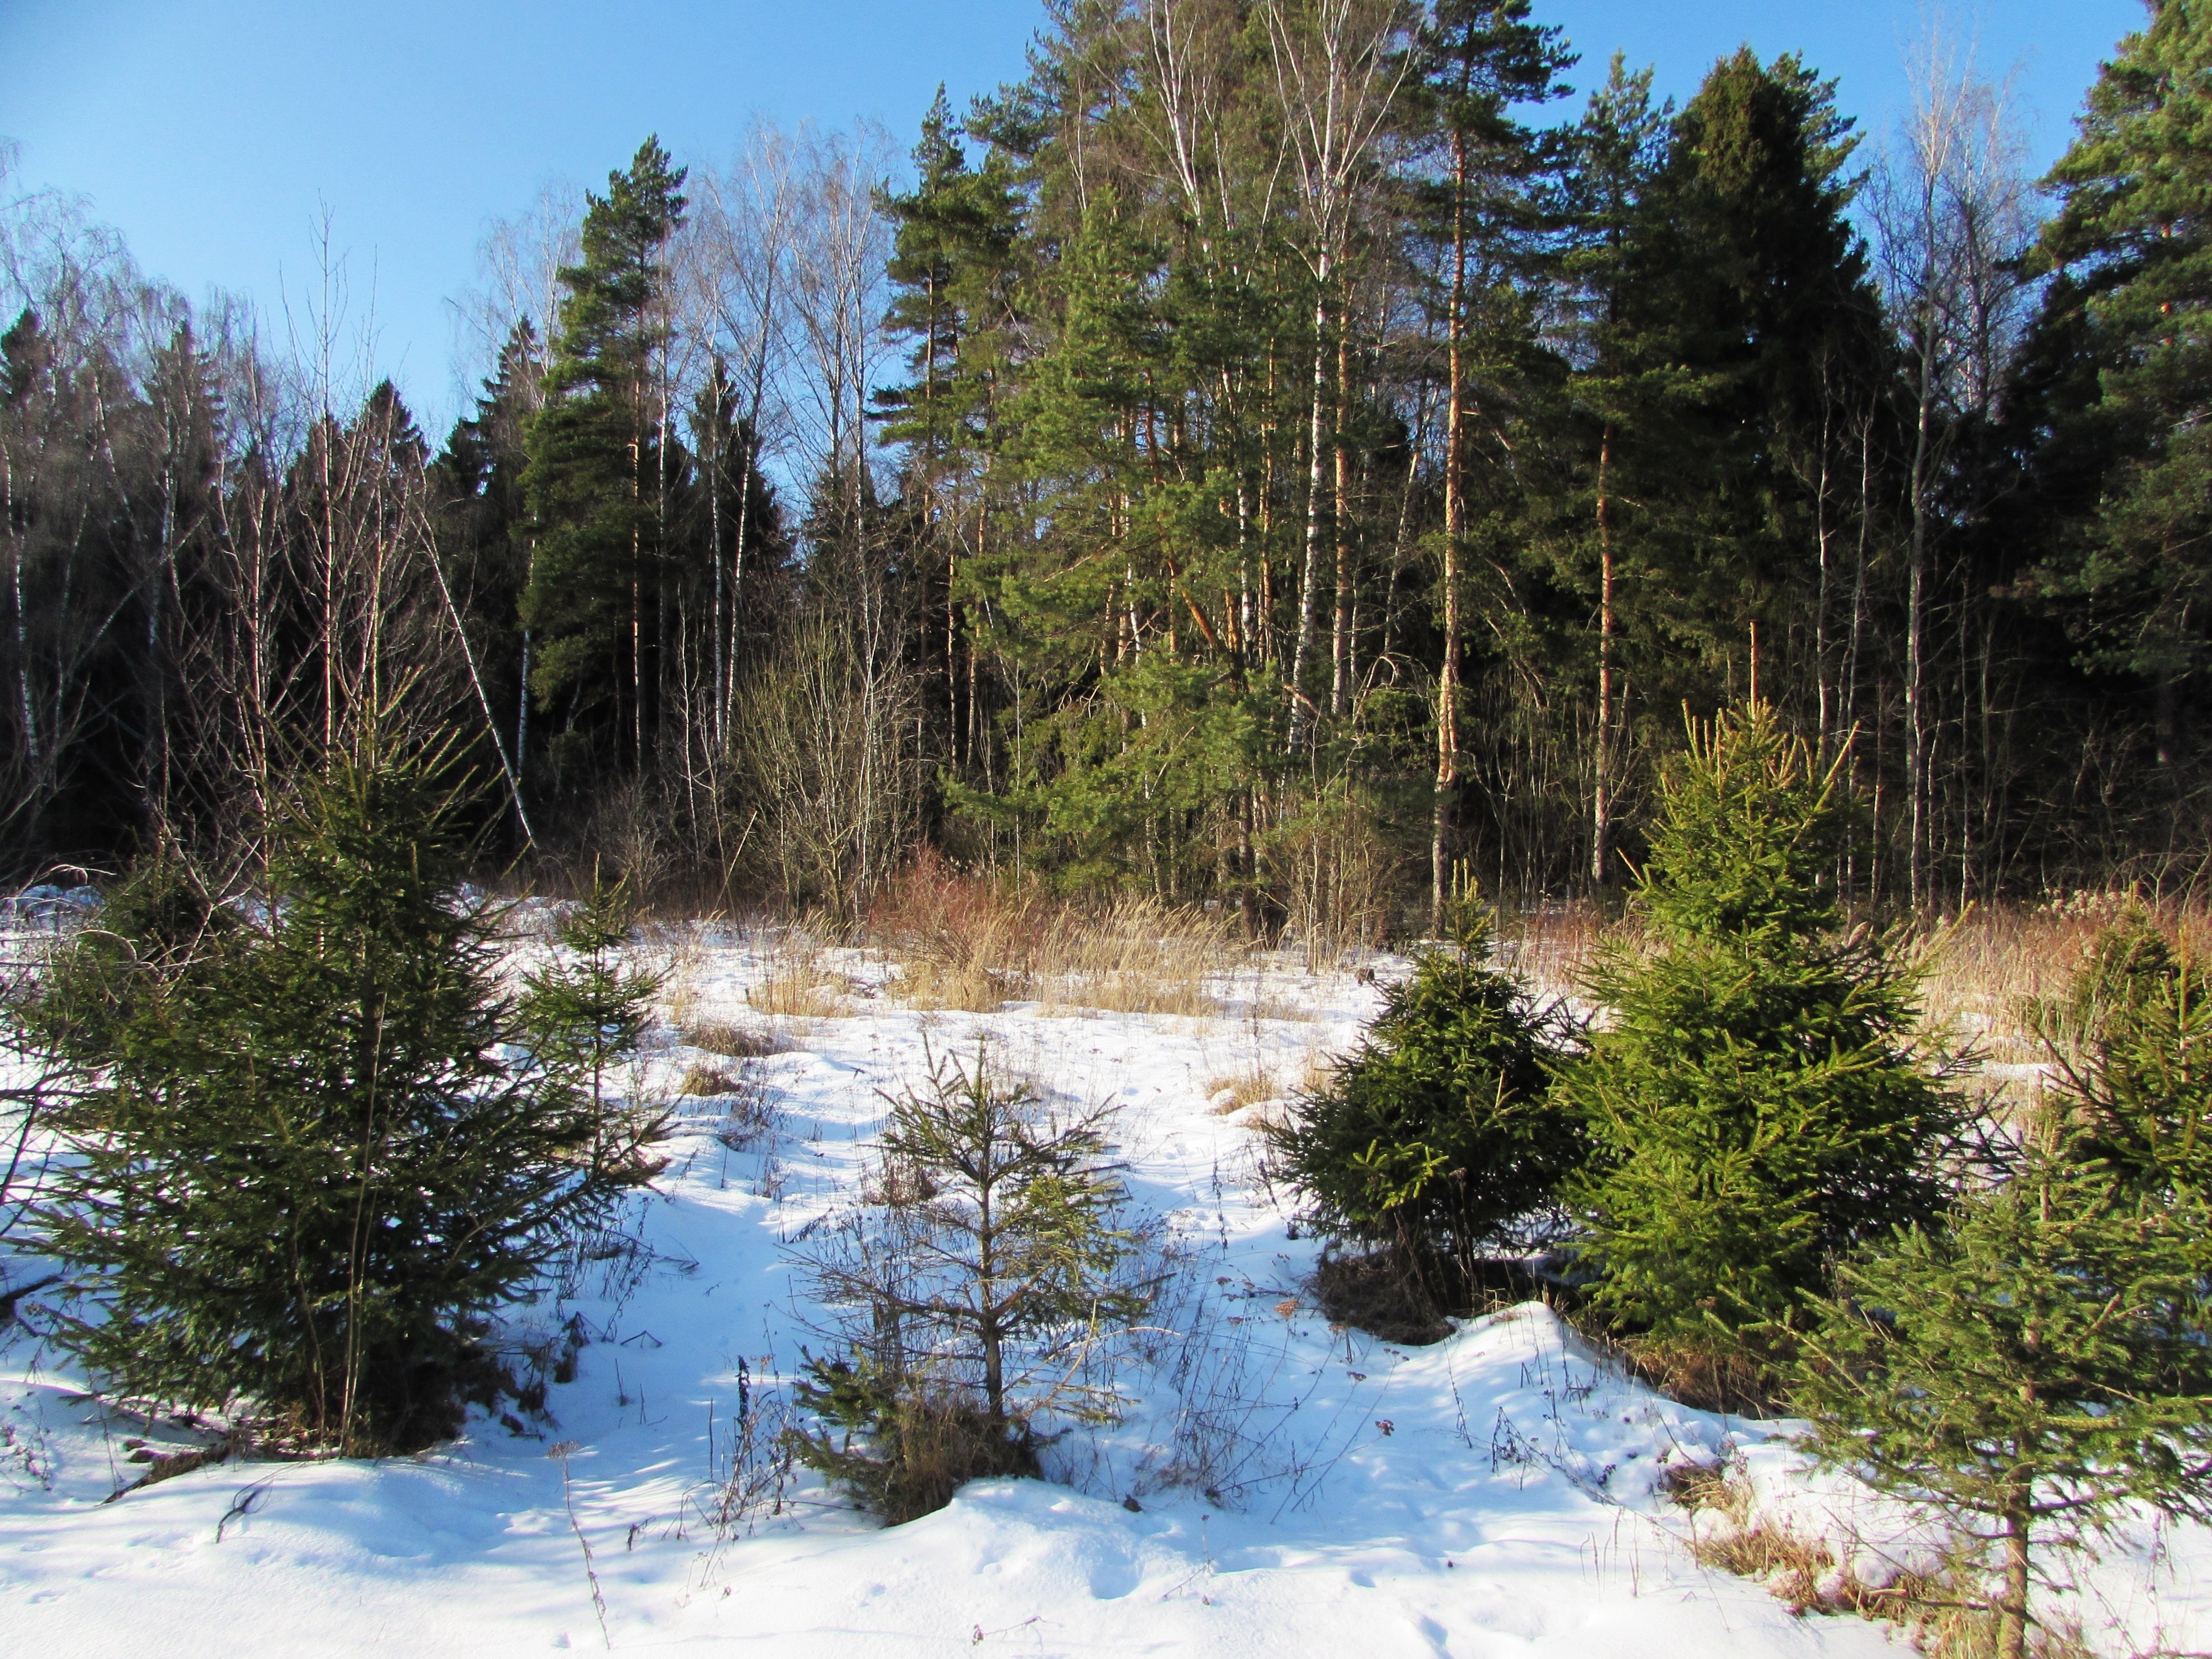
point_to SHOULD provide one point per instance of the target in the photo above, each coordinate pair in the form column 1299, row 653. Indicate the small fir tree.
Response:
column 994, row 1260
column 585, row 1013
column 1440, row 1131
column 301, row 1176
column 1758, row 1099
column 2132, row 1047
column 2035, row 1370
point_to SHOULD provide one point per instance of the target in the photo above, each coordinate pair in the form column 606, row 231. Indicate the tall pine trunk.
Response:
column 1447, row 784
column 1316, row 510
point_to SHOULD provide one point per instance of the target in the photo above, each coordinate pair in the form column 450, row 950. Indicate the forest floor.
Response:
column 1297, row 1488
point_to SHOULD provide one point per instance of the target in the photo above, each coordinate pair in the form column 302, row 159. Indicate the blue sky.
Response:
column 213, row 133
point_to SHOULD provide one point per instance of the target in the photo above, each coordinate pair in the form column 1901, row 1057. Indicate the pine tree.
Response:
column 2032, row 1365
column 955, row 268
column 595, row 473
column 1479, row 60
column 1440, row 1131
column 1631, row 401
column 1757, row 1100
column 303, row 1180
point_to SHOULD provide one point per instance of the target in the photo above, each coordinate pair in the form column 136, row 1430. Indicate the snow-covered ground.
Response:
column 1499, row 1494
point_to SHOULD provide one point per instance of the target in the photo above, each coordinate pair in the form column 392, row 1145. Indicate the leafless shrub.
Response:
column 823, row 745
column 749, row 1463
column 1387, row 1294
column 750, row 1117
column 1222, row 1370
column 1335, row 877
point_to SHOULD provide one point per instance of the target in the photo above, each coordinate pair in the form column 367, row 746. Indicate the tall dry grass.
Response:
column 1984, row 972
column 1987, row 970
column 968, row 942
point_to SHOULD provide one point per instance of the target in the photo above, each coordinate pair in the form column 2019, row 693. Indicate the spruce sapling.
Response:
column 584, row 1015
column 1439, row 1132
column 2131, row 1045
column 992, row 1260
column 2034, row 1369
column 301, row 1177
column 2038, row 1368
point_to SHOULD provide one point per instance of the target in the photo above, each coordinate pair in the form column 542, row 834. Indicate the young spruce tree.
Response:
column 2132, row 1050
column 993, row 1260
column 1440, row 1131
column 301, row 1177
column 1757, row 1100
column 2036, row 1368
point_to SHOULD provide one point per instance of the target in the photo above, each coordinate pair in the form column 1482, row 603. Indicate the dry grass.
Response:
column 705, row 1081
column 1727, row 1532
column 730, row 1038
column 1237, row 1089
column 1553, row 948
column 797, row 987
column 969, row 943
column 1988, row 968
column 1699, row 1374
column 1940, row 1609
column 1985, row 971
column 1265, row 1005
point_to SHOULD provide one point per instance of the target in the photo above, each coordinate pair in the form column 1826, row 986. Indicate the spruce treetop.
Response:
column 1746, row 848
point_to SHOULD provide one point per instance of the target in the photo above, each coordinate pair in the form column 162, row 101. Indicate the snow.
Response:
column 1499, row 1494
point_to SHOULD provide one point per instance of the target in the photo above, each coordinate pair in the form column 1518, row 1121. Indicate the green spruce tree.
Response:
column 990, row 1274
column 1757, row 1094
column 2033, row 1365
column 586, row 1010
column 302, row 1178
column 2131, row 1046
column 1439, row 1133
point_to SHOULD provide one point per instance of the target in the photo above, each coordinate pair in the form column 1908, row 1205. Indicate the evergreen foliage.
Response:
column 1297, row 459
column 597, row 477
column 1758, row 1099
column 2032, row 1365
column 1440, row 1134
column 302, row 1178
column 2132, row 246
column 993, row 1266
column 900, row 1446
column 2132, row 1048
column 585, row 1013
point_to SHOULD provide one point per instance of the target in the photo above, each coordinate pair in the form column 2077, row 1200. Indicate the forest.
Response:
column 1322, row 677
column 1267, row 456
